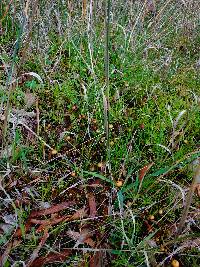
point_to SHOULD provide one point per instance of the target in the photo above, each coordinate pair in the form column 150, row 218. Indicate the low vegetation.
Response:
column 99, row 133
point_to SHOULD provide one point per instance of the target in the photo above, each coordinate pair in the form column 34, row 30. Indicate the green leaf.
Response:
column 160, row 172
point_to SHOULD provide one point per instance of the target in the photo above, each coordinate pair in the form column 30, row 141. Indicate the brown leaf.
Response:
column 74, row 235
column 52, row 257
column 94, row 184
column 92, row 205
column 90, row 242
column 197, row 187
column 55, row 220
column 144, row 170
column 148, row 226
column 96, row 259
column 31, row 219
column 52, row 209
column 48, row 223
column 51, row 221
column 191, row 243
column 3, row 67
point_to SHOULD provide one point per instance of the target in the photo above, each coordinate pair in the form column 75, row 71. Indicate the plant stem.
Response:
column 107, row 109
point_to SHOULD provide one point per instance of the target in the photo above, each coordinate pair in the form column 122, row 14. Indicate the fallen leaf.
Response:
column 144, row 170
column 52, row 257
column 90, row 242
column 197, row 187
column 52, row 209
column 34, row 214
column 98, row 259
column 92, row 205
column 53, row 221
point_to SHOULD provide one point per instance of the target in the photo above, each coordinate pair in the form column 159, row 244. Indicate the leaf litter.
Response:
column 43, row 220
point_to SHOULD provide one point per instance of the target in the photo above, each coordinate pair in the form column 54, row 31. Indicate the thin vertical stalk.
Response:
column 107, row 95
column 107, row 42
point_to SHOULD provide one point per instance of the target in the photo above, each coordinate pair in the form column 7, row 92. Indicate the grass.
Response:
column 124, row 213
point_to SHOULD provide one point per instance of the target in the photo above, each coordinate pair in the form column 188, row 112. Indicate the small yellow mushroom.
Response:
column 175, row 263
column 73, row 174
column 111, row 126
column 68, row 138
column 119, row 183
column 160, row 211
column 151, row 217
column 54, row 152
column 100, row 165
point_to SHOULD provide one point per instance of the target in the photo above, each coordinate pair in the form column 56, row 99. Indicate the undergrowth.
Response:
column 62, row 202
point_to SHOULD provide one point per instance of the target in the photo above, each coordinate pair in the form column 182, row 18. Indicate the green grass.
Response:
column 153, row 83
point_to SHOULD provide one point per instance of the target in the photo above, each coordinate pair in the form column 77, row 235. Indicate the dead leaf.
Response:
column 148, row 226
column 197, row 187
column 90, row 242
column 144, row 170
column 55, row 220
column 52, row 209
column 3, row 67
column 34, row 214
column 52, row 257
column 92, row 205
column 191, row 244
column 84, row 8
